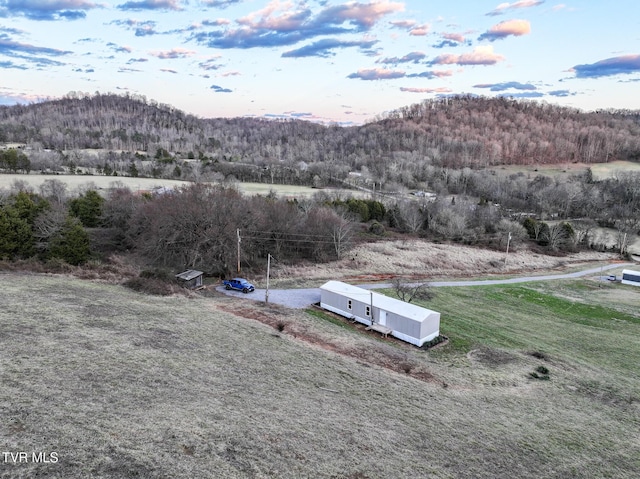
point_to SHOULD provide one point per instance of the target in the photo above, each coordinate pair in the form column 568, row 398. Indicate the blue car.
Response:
column 239, row 284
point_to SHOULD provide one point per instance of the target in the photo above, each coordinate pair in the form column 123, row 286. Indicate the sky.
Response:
column 329, row 61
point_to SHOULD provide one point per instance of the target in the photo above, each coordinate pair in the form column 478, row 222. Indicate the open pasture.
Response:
column 82, row 182
column 600, row 171
column 120, row 384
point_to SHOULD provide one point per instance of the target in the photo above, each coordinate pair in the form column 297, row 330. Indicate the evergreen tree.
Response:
column 16, row 237
column 87, row 208
column 71, row 244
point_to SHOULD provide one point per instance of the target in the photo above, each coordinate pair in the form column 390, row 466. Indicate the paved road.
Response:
column 302, row 298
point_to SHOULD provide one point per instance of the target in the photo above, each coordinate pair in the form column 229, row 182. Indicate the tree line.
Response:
column 203, row 226
column 199, row 226
column 133, row 134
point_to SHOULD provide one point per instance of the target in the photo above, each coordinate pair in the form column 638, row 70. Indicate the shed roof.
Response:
column 189, row 274
column 408, row 310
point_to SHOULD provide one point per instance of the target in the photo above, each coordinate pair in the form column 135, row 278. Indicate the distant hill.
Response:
column 454, row 132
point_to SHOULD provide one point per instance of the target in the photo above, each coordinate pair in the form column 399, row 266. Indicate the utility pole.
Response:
column 507, row 253
column 371, row 308
column 266, row 294
column 239, row 240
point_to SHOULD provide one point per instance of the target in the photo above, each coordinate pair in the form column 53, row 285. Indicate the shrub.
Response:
column 376, row 228
column 541, row 373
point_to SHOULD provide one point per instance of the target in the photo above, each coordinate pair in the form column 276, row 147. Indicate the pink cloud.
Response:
column 456, row 37
column 504, row 29
column 504, row 7
column 173, row 53
column 442, row 73
column 366, row 14
column 420, row 30
column 479, row 56
column 377, row 74
column 404, row 23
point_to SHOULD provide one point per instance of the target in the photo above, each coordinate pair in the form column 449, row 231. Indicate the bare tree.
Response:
column 410, row 291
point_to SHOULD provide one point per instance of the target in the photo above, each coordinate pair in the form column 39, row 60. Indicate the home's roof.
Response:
column 408, row 310
column 189, row 274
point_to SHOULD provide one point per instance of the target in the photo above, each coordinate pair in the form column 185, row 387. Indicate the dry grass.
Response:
column 125, row 385
column 75, row 182
column 418, row 259
column 600, row 171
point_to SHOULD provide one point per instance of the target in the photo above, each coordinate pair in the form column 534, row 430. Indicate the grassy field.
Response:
column 600, row 171
column 123, row 385
column 75, row 182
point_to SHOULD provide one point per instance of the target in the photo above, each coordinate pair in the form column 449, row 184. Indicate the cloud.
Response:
column 505, row 7
column 119, row 49
column 561, row 93
column 219, row 3
column 413, row 57
column 426, row 90
column 47, row 9
column 210, row 64
column 151, row 5
column 12, row 31
column 431, row 74
column 218, row 22
column 172, row 54
column 168, row 70
column 230, row 74
column 219, row 89
column 453, row 37
column 531, row 94
column 136, row 60
column 420, row 30
column 363, row 15
column 403, row 24
column 480, row 56
column 27, row 52
column 446, row 43
column 507, row 28
column 141, row 28
column 280, row 24
column 9, row 64
column 512, row 85
column 622, row 65
column 322, row 48
column 377, row 74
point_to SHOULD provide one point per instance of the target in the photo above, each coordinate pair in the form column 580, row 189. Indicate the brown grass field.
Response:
column 600, row 171
column 119, row 385
column 99, row 182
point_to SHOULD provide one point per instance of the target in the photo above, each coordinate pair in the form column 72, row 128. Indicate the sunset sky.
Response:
column 321, row 60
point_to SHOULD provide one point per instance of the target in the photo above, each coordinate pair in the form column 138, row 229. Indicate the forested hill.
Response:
column 453, row 132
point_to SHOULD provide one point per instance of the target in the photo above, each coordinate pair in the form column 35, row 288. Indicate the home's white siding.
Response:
column 407, row 322
column 631, row 277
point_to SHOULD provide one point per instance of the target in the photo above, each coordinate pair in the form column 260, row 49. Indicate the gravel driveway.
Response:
column 302, row 298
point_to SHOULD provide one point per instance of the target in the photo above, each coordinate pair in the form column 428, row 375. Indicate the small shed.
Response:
column 409, row 322
column 190, row 278
column 631, row 277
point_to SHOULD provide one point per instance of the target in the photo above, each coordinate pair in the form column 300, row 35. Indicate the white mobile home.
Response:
column 631, row 277
column 405, row 321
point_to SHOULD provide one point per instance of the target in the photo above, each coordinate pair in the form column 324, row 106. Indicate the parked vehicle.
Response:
column 239, row 284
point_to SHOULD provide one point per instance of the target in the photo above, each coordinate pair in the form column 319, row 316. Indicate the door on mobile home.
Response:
column 383, row 318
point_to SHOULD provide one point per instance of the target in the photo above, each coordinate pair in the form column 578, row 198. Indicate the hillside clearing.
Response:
column 122, row 385
column 419, row 259
column 82, row 182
